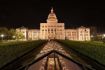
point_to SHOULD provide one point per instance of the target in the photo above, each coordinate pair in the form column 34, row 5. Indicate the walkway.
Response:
column 54, row 61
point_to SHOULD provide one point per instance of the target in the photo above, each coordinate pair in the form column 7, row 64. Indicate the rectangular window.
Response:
column 43, row 30
column 42, row 26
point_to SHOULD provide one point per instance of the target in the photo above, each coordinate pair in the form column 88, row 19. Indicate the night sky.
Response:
column 73, row 13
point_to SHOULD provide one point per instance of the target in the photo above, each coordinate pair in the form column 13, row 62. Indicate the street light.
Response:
column 13, row 36
column 2, row 36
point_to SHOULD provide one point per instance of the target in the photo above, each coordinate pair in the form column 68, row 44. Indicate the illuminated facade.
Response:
column 79, row 34
column 54, row 30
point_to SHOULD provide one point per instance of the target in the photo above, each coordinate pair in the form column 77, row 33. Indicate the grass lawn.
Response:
column 11, row 50
column 95, row 50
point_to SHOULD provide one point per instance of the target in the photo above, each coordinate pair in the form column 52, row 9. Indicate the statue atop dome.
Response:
column 52, row 11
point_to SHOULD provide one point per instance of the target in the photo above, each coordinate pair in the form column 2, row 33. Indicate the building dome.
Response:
column 52, row 17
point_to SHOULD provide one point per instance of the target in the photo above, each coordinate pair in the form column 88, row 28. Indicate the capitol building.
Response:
column 54, row 30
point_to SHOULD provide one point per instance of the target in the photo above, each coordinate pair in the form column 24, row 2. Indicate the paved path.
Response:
column 39, row 65
column 66, row 64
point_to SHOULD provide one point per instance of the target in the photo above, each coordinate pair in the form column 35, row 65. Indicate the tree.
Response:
column 4, row 31
column 103, row 40
column 11, row 33
column 97, row 38
column 19, row 35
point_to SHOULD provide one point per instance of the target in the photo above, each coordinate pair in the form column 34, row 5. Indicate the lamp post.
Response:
column 13, row 37
column 2, row 36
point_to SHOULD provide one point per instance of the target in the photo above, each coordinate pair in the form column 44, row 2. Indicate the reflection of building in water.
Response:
column 54, row 30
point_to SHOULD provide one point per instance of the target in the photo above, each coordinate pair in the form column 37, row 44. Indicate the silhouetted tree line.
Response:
column 98, row 38
column 10, row 34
